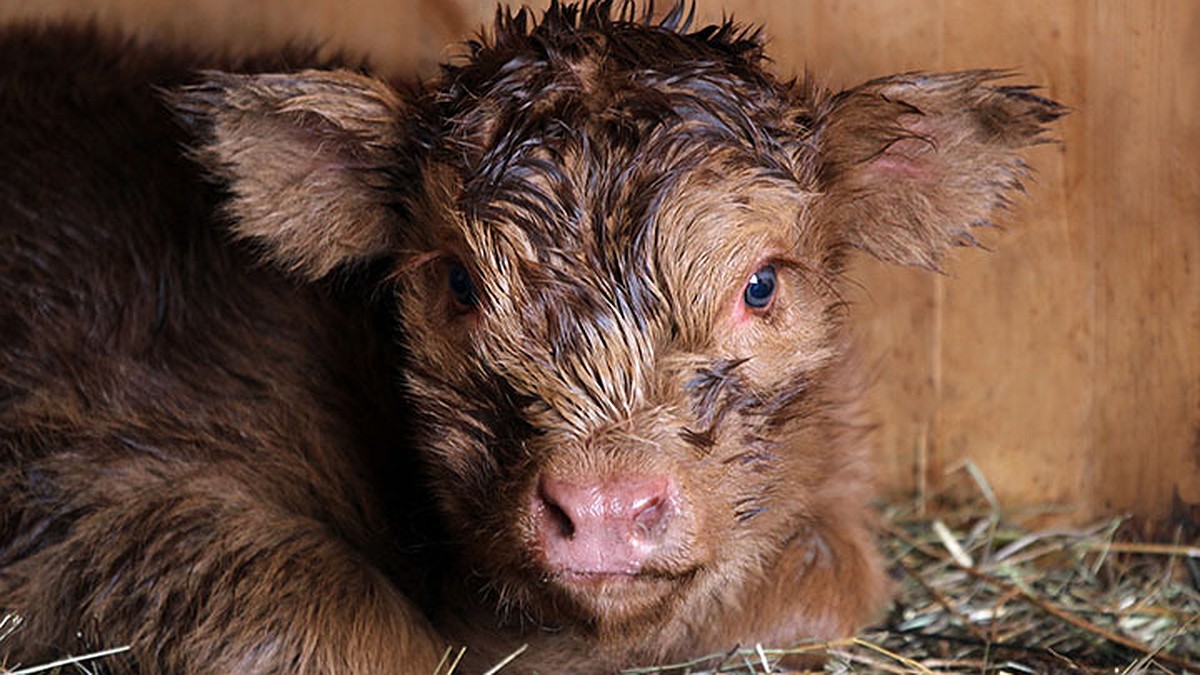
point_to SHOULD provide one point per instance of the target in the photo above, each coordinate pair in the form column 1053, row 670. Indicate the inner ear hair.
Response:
column 309, row 159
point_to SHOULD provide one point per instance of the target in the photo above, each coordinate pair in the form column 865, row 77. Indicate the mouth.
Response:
column 620, row 597
column 617, row 576
column 600, row 579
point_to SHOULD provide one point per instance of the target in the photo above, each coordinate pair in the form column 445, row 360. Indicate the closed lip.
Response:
column 591, row 578
column 614, row 596
column 601, row 583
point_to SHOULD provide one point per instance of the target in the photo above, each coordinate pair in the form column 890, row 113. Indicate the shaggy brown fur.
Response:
column 611, row 252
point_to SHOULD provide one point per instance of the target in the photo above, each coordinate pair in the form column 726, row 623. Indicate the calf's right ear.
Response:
column 908, row 164
column 308, row 157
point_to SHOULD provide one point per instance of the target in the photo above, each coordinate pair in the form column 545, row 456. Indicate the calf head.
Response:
column 618, row 251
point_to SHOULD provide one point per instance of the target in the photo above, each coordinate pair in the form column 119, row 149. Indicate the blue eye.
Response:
column 462, row 287
column 761, row 288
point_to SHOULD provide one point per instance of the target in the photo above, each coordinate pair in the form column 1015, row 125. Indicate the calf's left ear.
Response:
column 908, row 164
column 308, row 158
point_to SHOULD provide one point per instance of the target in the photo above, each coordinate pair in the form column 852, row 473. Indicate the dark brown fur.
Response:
column 207, row 457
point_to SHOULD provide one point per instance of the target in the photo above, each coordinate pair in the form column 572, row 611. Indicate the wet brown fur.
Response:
column 206, row 451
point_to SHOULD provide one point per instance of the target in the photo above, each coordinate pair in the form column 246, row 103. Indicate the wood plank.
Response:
column 1145, row 182
column 1015, row 349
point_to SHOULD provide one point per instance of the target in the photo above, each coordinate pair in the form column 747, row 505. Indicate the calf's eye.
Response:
column 461, row 286
column 760, row 290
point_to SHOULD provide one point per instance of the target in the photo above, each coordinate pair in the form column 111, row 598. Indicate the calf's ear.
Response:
column 308, row 158
column 908, row 164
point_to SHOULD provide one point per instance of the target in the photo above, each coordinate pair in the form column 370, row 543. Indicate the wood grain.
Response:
column 1066, row 362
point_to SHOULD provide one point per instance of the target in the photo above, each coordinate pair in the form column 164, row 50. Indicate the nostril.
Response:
column 649, row 517
column 554, row 517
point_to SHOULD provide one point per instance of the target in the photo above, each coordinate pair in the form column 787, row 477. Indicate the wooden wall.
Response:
column 1066, row 363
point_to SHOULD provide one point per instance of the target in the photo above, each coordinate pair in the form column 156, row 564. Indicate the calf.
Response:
column 548, row 352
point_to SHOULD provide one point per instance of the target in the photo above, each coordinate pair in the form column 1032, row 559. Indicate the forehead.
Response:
column 579, row 146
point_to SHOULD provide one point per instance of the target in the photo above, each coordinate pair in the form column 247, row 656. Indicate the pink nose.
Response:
column 609, row 526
